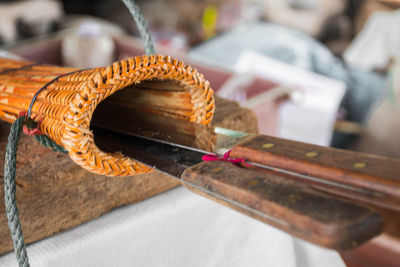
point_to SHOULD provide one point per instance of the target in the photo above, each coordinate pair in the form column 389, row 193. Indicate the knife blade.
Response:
column 362, row 177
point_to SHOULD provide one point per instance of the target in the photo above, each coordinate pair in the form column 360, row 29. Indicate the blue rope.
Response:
column 15, row 133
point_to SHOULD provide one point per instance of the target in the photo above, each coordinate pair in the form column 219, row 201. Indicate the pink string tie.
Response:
column 29, row 131
column 226, row 157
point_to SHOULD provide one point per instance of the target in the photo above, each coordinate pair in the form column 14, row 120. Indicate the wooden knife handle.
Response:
column 364, row 177
column 285, row 203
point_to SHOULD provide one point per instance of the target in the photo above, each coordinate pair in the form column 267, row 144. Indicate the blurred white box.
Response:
column 311, row 113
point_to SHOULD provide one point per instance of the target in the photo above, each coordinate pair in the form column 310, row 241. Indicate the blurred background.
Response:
column 326, row 68
column 319, row 71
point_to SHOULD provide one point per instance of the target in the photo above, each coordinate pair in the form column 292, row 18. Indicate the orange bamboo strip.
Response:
column 164, row 86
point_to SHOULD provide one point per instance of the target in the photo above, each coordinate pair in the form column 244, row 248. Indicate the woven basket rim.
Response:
column 79, row 140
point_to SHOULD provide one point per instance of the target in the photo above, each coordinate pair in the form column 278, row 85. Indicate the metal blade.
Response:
column 168, row 130
column 168, row 159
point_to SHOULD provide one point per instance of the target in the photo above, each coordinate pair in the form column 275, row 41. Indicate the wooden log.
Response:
column 54, row 194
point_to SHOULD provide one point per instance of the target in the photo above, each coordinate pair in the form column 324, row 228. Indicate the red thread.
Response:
column 35, row 131
column 226, row 157
column 31, row 131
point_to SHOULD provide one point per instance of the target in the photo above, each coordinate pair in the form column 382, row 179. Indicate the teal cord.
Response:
column 141, row 25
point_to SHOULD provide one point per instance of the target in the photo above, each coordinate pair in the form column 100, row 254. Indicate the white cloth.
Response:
column 377, row 43
column 176, row 228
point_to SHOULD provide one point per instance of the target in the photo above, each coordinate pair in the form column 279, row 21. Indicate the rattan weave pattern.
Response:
column 66, row 107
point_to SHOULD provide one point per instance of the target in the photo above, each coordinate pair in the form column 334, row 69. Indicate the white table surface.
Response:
column 176, row 228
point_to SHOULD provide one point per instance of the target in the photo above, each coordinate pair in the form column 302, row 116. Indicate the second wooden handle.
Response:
column 285, row 203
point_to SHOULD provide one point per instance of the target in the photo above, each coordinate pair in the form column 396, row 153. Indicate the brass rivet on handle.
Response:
column 311, row 154
column 253, row 182
column 360, row 165
column 218, row 169
column 268, row 145
column 294, row 198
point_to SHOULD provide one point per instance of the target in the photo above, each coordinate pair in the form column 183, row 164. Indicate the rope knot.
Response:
column 30, row 127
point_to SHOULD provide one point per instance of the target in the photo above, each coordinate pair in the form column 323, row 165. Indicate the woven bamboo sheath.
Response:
column 155, row 84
